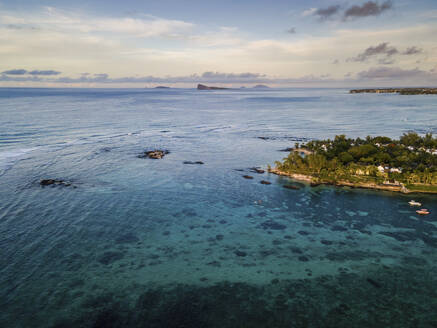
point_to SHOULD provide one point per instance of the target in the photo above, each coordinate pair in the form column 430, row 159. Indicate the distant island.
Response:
column 401, row 91
column 162, row 87
column 405, row 165
column 205, row 87
column 261, row 86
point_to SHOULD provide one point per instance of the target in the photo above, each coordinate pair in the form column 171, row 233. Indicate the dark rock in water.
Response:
column 240, row 253
column 314, row 184
column 400, row 236
column 216, row 264
column 264, row 138
column 127, row 238
column 295, row 250
column 247, row 177
column 303, row 258
column 357, row 255
column 338, row 228
column 291, row 187
column 154, row 154
column 49, row 182
column 411, row 260
column 406, row 299
column 110, row 257
column 264, row 182
column 373, row 283
column 272, row 225
column 256, row 170
column 198, row 162
column 287, row 150
column 54, row 182
column 189, row 212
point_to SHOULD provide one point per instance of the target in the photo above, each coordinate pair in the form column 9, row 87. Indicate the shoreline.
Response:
column 342, row 183
column 401, row 91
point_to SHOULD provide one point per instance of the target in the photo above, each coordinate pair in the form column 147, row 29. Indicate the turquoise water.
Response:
column 137, row 242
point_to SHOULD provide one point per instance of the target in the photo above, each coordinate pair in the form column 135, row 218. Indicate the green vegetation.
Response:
column 411, row 160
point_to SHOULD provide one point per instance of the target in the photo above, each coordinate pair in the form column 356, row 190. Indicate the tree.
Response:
column 345, row 157
column 411, row 139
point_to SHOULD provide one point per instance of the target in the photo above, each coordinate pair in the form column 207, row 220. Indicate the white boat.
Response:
column 414, row 203
column 423, row 211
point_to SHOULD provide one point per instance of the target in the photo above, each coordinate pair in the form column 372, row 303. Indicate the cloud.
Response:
column 15, row 72
column 230, row 76
column 396, row 73
column 380, row 49
column 144, row 26
column 206, row 77
column 212, row 77
column 385, row 50
column 34, row 72
column 309, row 12
column 378, row 76
column 326, row 13
column 49, row 72
column 292, row 30
column 369, row 8
column 412, row 51
column 386, row 61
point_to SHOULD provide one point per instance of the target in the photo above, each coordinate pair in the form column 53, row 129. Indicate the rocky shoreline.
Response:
column 341, row 183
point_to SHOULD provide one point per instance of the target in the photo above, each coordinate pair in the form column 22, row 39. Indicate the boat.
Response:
column 414, row 203
column 423, row 211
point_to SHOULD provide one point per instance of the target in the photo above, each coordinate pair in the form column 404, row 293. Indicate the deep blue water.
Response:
column 129, row 225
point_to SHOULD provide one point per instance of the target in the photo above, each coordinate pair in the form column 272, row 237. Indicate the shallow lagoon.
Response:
column 139, row 241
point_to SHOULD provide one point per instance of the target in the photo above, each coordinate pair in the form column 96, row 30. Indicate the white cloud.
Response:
column 309, row 12
column 58, row 20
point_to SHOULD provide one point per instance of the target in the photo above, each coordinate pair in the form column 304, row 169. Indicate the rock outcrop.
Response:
column 192, row 163
column 154, row 154
column 54, row 182
column 257, row 170
column 205, row 87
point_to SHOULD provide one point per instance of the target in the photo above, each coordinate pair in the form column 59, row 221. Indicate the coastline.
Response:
column 401, row 91
column 342, row 183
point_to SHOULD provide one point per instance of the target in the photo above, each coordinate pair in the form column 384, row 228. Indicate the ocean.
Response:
column 138, row 242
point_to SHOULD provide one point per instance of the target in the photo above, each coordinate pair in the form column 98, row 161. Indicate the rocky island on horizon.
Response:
column 260, row 86
column 205, row 87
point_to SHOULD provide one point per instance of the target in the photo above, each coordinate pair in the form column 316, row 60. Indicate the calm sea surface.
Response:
column 137, row 242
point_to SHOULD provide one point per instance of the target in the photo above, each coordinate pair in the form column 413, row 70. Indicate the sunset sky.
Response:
column 138, row 43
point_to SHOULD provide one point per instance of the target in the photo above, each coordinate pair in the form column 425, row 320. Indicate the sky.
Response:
column 141, row 43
